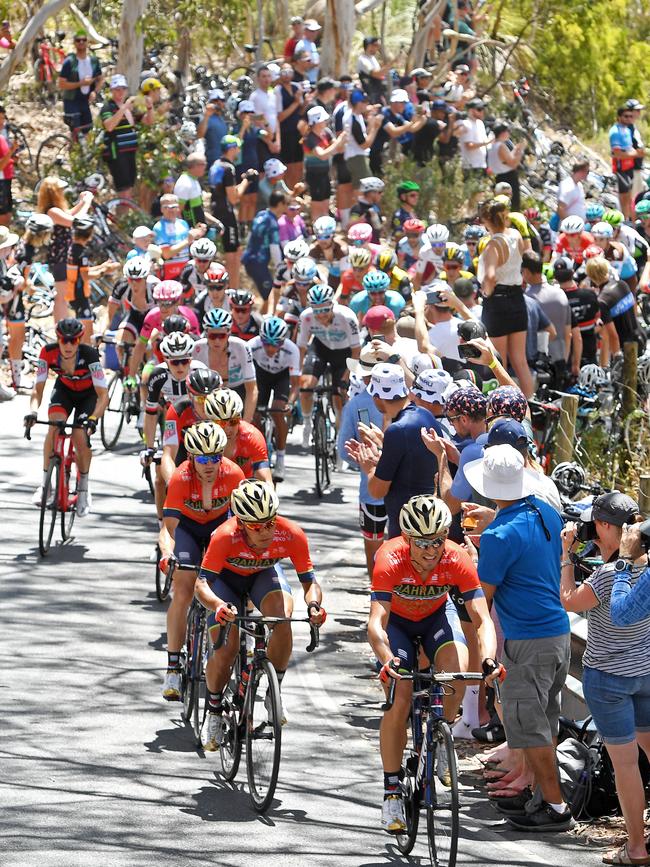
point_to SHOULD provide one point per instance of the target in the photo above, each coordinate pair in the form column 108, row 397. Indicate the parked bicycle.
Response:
column 47, row 63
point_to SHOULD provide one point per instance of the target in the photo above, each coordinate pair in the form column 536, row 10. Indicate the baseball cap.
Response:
column 274, row 167
column 245, row 106
column 230, row 141
column 370, row 40
column 141, row 232
column 368, row 357
column 297, row 19
column 387, row 382
column 377, row 316
column 507, row 431
column 633, row 105
column 614, row 507
column 475, row 103
column 466, row 401
column 439, row 105
column 316, row 115
column 503, row 188
column 500, row 474
column 420, row 72
column 462, row 67
column 216, row 93
column 312, row 24
column 464, row 288
column 422, row 361
column 119, row 81
column 357, row 96
column 431, row 385
column 399, row 95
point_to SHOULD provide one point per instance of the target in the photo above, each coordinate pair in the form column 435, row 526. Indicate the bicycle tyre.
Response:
column 268, row 429
column 200, row 697
column 187, row 678
column 48, row 513
column 116, row 407
column 263, row 764
column 320, row 453
column 231, row 742
column 68, row 515
column 412, row 796
column 53, row 156
column 443, row 820
column 163, row 584
column 146, row 472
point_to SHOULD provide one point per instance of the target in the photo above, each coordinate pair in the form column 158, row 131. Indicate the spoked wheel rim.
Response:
column 53, row 156
column 48, row 511
column 320, row 454
column 163, row 584
column 442, row 811
column 69, row 507
column 231, row 744
column 188, row 681
column 263, row 736
column 111, row 422
column 406, row 840
column 198, row 673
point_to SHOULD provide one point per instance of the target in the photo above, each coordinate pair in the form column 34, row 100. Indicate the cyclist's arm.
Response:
column 576, row 350
column 250, row 400
column 205, row 595
column 102, row 399
column 149, row 432
column 263, row 474
column 377, row 623
column 138, row 354
column 168, row 461
column 37, row 395
column 312, row 592
column 166, row 536
column 479, row 614
column 293, row 389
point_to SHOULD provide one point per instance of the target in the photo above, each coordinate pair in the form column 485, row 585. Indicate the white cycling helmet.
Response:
column 572, row 225
column 371, row 185
column 320, row 294
column 305, row 270
column 205, row 438
column 325, row 227
column 203, row 248
column 591, row 377
column 137, row 267
column 296, row 249
column 177, row 345
column 359, row 257
column 602, row 230
column 224, row 404
column 437, row 234
column 39, row 224
column 254, row 500
column 424, row 515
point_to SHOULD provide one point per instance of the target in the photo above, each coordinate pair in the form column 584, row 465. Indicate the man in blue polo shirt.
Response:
column 519, row 567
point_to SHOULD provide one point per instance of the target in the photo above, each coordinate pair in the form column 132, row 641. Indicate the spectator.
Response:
column 298, row 31
column 8, row 149
column 292, row 224
column 638, row 184
column 584, row 310
column 380, row 323
column 372, row 74
column 616, row 666
column 404, row 466
column 503, row 160
column 538, row 325
column 166, row 186
column 80, row 80
column 263, row 252
column 344, row 194
column 254, row 136
column 393, row 126
column 6, row 39
column 213, row 126
column 290, row 105
column 174, row 236
column 436, row 327
column 457, row 89
column 189, row 193
column 319, row 145
column 308, row 44
column 474, row 140
column 301, row 63
column 624, row 153
column 519, row 567
column 275, row 173
column 325, row 96
column 361, row 135
column 226, row 194
column 264, row 101
column 121, row 136
column 571, row 194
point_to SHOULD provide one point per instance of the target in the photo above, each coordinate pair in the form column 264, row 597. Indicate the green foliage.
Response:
column 158, row 155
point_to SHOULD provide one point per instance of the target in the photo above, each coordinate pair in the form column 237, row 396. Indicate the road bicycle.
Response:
column 265, row 421
column 164, row 578
column 123, row 402
column 252, row 707
column 430, row 771
column 323, row 431
column 60, row 487
column 47, row 64
column 24, row 167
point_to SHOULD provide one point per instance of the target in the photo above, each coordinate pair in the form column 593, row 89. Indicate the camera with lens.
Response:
column 644, row 529
column 587, row 531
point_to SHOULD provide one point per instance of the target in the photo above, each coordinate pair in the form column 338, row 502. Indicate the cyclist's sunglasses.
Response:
column 264, row 525
column 304, row 283
column 326, row 308
column 429, row 543
column 245, row 308
column 278, row 343
column 358, row 242
column 165, row 305
column 177, row 362
column 216, row 287
column 227, row 422
column 359, row 270
column 207, row 459
column 452, row 266
column 71, row 340
column 217, row 335
column 376, row 292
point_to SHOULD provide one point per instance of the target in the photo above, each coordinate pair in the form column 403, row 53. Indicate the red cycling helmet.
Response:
column 413, row 227
column 216, row 275
column 592, row 251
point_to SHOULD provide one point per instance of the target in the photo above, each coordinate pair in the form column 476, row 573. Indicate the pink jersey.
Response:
column 153, row 322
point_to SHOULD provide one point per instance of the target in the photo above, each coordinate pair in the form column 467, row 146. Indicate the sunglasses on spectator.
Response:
column 429, row 543
column 80, row 39
column 177, row 362
column 70, row 340
column 452, row 417
column 207, row 459
column 217, row 335
column 265, row 525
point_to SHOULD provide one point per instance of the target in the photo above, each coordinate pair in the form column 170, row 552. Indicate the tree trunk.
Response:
column 281, row 23
column 424, row 21
column 340, row 22
column 30, row 31
column 129, row 61
column 184, row 53
column 88, row 25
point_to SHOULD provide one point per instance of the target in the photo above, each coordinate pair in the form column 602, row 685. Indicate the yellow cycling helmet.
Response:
column 150, row 84
column 483, row 242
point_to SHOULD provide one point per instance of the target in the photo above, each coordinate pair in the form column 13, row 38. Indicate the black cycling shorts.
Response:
column 372, row 520
column 230, row 237
column 319, row 356
column 123, row 171
column 134, row 321
column 278, row 383
column 81, row 402
column 625, row 180
column 343, row 175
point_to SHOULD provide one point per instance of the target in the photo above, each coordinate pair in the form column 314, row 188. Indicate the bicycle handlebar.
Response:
column 438, row 677
column 224, row 632
column 62, row 425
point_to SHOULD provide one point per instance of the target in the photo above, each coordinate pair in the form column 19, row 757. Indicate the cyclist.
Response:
column 634, row 243
column 573, row 239
column 245, row 321
column 246, row 445
column 399, row 280
column 585, row 311
column 135, row 291
column 360, row 261
column 409, row 245
column 292, row 251
column 80, row 387
column 360, row 236
column 180, row 416
column 304, row 274
column 452, row 265
column 193, row 276
column 376, row 291
column 243, row 558
column 471, row 236
column 326, row 250
column 277, row 369
column 615, row 253
column 408, row 193
column 229, row 356
column 409, row 600
column 368, row 206
column 215, row 294
column 79, row 273
column 197, row 502
column 430, row 256
column 328, row 334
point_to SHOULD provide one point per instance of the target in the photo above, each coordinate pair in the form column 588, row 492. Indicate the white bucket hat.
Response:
column 387, row 382
column 500, row 474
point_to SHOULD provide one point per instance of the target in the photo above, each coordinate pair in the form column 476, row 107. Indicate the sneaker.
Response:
column 172, row 686
column 544, row 818
column 306, row 432
column 462, row 731
column 393, row 817
column 6, row 392
column 37, row 496
column 442, row 768
column 278, row 469
column 269, row 710
column 492, row 733
column 84, row 503
column 212, row 732
column 515, row 805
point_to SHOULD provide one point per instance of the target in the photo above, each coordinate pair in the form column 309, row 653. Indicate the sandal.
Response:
column 500, row 794
column 492, row 776
column 620, row 856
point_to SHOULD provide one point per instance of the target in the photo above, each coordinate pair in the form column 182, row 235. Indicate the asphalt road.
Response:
column 95, row 768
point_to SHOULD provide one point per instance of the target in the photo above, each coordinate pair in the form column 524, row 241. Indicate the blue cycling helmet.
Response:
column 325, row 227
column 274, row 330
column 218, row 318
column 320, row 294
column 376, row 281
column 594, row 213
column 473, row 233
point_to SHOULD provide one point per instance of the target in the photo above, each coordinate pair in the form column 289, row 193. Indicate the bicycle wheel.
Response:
column 320, row 453
column 68, row 496
column 23, row 161
column 111, row 422
column 163, row 582
column 48, row 511
column 53, row 156
column 443, row 805
column 187, row 677
column 231, row 743
column 199, row 705
column 412, row 797
column 146, row 472
column 122, row 216
column 268, row 429
column 263, row 735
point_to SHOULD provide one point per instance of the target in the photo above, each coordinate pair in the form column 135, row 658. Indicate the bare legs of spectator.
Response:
column 344, row 201
column 246, row 208
column 625, row 758
column 60, row 304
column 542, row 762
column 371, row 546
column 512, row 349
column 294, row 174
column 232, row 262
column 319, row 209
column 625, row 201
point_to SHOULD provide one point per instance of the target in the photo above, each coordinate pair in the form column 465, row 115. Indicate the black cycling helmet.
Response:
column 203, row 381
column 563, row 269
column 69, row 327
column 176, row 322
column 82, row 225
column 241, row 298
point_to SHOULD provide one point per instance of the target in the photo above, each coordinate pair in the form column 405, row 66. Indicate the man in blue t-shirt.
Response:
column 213, row 126
column 519, row 568
column 263, row 247
column 624, row 152
column 404, row 467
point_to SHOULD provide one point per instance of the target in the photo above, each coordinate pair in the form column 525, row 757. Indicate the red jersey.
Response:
column 185, row 493
column 576, row 253
column 88, row 372
column 250, row 449
column 177, row 420
column 228, row 549
column 411, row 596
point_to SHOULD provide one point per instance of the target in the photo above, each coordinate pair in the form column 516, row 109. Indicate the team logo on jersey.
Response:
column 420, row 591
column 196, row 503
column 252, row 565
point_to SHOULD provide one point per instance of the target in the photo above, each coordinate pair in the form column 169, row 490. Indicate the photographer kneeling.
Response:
column 616, row 678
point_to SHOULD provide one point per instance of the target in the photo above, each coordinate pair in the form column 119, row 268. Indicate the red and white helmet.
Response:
column 167, row 290
column 216, row 275
column 360, row 232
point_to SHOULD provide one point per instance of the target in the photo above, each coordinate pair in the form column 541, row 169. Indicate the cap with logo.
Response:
column 387, row 382
column 431, row 385
column 216, row 93
column 118, row 81
column 507, row 431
